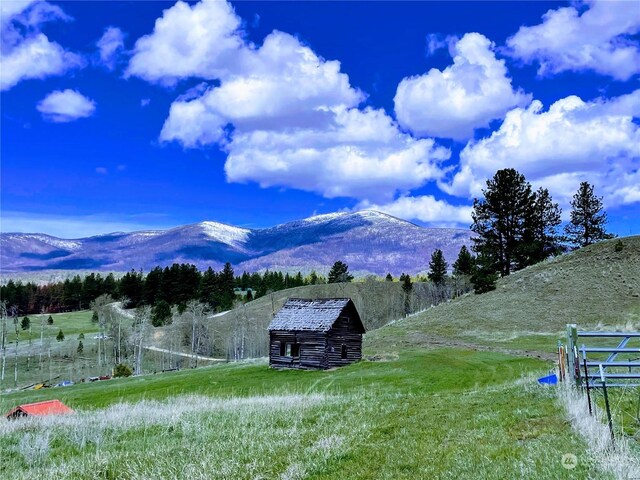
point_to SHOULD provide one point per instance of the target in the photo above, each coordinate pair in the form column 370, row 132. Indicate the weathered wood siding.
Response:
column 312, row 349
column 319, row 349
column 344, row 333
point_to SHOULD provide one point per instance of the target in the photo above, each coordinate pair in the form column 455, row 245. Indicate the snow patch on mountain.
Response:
column 52, row 241
column 327, row 217
column 227, row 234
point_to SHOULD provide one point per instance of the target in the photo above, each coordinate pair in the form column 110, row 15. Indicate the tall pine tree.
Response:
column 588, row 221
column 499, row 221
column 465, row 262
column 540, row 238
column 339, row 273
column 437, row 268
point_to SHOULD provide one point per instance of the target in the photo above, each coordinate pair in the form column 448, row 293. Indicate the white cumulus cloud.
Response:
column 285, row 116
column 573, row 141
column 466, row 95
column 425, row 208
column 203, row 40
column 110, row 46
column 65, row 106
column 26, row 52
column 594, row 35
column 361, row 154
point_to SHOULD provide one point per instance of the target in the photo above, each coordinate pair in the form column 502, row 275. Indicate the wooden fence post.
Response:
column 572, row 351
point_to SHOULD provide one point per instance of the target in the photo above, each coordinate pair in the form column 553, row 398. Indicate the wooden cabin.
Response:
column 38, row 409
column 321, row 333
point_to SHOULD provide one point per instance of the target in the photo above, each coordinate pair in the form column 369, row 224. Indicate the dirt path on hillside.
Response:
column 185, row 355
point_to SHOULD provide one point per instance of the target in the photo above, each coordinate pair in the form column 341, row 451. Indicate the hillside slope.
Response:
column 245, row 328
column 593, row 287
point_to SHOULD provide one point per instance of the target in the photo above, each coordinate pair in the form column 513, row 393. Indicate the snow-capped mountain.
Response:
column 368, row 241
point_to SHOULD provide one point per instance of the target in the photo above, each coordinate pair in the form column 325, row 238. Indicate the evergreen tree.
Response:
column 340, row 273
column 407, row 287
column 540, row 238
column 60, row 336
column 249, row 296
column 389, row 278
column 94, row 317
column 80, row 347
column 227, row 284
column 50, row 320
column 499, row 221
column 110, row 286
column 90, row 288
column 25, row 323
column 208, row 288
column 161, row 313
column 313, row 278
column 188, row 282
column 465, row 262
column 437, row 268
column 81, row 336
column 131, row 285
column 484, row 275
column 152, row 286
column 587, row 224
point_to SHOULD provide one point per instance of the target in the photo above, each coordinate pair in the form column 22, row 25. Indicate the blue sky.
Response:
column 119, row 116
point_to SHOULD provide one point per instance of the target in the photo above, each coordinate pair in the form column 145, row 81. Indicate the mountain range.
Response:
column 370, row 242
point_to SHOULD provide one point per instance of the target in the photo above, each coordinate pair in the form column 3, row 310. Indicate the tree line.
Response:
column 174, row 285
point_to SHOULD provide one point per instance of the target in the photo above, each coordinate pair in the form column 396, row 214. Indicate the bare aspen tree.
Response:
column 15, row 358
column 197, row 313
column 41, row 336
column 29, row 351
column 3, row 315
column 101, row 306
column 172, row 335
column 141, row 321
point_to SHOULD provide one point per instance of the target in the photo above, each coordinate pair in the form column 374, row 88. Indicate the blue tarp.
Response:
column 549, row 379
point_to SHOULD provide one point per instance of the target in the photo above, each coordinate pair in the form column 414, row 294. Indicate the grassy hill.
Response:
column 437, row 396
column 378, row 303
column 594, row 287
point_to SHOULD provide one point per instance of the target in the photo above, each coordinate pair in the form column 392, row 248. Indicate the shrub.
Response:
column 122, row 370
column 619, row 246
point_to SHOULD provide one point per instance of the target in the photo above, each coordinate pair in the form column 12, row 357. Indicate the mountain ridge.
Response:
column 371, row 242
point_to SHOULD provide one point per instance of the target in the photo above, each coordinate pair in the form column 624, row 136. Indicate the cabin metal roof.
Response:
column 302, row 314
column 48, row 407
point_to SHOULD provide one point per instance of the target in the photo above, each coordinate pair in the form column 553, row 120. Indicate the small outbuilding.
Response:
column 320, row 333
column 48, row 407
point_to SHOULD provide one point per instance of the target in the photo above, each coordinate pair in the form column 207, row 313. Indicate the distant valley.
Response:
column 370, row 242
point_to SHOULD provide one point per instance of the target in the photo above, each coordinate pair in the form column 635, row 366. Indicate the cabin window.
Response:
column 344, row 352
column 290, row 350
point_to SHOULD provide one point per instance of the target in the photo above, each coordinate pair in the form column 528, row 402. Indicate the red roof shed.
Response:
column 48, row 407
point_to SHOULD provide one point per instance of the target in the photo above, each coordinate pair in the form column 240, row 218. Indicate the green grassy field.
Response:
column 72, row 324
column 446, row 413
column 63, row 362
column 449, row 393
